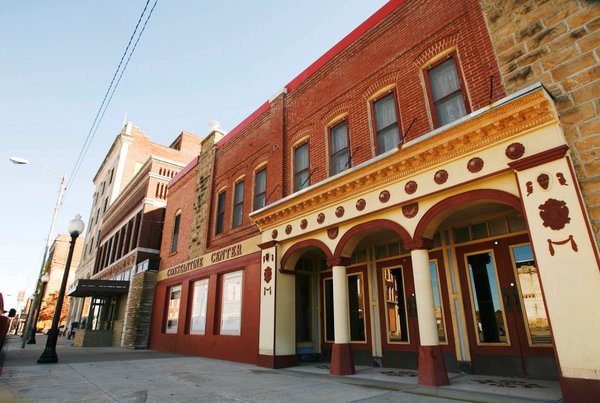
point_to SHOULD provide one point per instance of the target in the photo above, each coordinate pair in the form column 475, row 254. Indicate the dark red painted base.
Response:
column 341, row 360
column 578, row 390
column 277, row 361
column 432, row 369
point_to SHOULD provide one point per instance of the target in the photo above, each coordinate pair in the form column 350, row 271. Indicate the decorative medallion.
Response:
column 515, row 151
column 529, row 186
column 441, row 176
column 384, row 196
column 332, row 233
column 410, row 210
column 288, row 229
column 561, row 179
column 304, row 223
column 274, row 234
column 361, row 204
column 320, row 218
column 544, row 181
column 339, row 211
column 475, row 165
column 554, row 214
column 410, row 187
column 268, row 274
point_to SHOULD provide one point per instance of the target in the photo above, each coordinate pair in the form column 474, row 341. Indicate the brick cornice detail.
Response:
column 267, row 245
column 496, row 125
column 539, row 158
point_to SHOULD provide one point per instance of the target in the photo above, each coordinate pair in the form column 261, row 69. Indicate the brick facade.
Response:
column 557, row 42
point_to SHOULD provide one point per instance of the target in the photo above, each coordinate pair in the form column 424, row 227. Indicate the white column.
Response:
column 428, row 331
column 340, row 305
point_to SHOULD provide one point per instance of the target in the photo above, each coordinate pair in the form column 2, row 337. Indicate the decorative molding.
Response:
column 361, row 204
column 274, row 234
column 521, row 114
column 384, row 196
column 540, row 158
column 320, row 218
column 410, row 187
column 333, row 232
column 440, row 177
column 288, row 229
column 410, row 210
column 554, row 214
column 303, row 223
column 475, row 165
column 543, row 180
column 515, row 151
column 339, row 211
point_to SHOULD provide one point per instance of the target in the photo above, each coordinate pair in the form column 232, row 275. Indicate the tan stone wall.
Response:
column 557, row 42
column 139, row 309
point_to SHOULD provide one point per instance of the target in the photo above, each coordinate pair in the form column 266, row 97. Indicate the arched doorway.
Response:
column 502, row 323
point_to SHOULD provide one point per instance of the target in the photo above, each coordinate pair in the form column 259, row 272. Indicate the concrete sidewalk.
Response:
column 123, row 375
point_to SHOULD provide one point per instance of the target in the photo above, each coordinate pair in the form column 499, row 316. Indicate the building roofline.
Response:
column 338, row 48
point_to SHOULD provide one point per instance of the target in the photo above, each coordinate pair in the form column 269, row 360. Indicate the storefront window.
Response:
column 489, row 314
column 198, row 318
column 533, row 303
column 395, row 304
column 231, row 304
column 437, row 301
column 173, row 312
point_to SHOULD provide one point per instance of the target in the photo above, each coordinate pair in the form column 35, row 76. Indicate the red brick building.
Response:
column 393, row 205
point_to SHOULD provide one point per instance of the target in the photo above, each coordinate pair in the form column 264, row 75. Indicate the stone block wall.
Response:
column 557, row 42
column 139, row 309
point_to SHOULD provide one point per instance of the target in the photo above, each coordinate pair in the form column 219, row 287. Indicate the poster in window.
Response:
column 198, row 319
column 173, row 310
column 231, row 308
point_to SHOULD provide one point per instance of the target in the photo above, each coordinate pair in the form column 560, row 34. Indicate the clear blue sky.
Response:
column 197, row 61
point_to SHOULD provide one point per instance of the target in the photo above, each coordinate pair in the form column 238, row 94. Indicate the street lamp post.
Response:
column 44, row 281
column 49, row 355
column 28, row 329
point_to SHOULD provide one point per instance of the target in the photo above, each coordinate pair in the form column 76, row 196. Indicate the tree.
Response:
column 49, row 306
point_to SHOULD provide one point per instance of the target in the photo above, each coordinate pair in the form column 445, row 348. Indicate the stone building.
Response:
column 121, row 247
column 412, row 199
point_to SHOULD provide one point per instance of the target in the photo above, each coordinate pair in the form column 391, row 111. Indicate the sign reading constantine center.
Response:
column 218, row 256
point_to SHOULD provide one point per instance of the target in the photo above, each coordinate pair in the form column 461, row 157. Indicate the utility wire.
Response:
column 111, row 90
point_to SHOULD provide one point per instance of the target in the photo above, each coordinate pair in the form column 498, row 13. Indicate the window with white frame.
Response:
column 260, row 189
column 446, row 91
column 387, row 133
column 339, row 154
column 231, row 303
column 198, row 316
column 220, row 221
column 238, row 204
column 301, row 174
column 173, row 309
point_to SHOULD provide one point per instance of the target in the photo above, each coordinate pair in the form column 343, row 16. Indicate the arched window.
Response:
column 175, row 237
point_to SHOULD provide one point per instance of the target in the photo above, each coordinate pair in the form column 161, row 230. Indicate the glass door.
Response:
column 496, row 278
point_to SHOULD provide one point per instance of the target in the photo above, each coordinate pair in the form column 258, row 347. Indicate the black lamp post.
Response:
column 44, row 279
column 49, row 355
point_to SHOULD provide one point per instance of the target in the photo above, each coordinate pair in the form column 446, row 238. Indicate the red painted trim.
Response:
column 375, row 224
column 267, row 245
column 302, row 245
column 584, row 211
column 341, row 360
column 242, row 125
column 472, row 195
column 277, row 361
column 369, row 23
column 191, row 165
column 338, row 261
column 580, row 390
column 432, row 368
column 540, row 158
column 463, row 86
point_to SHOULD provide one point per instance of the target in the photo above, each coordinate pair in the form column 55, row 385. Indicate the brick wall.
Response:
column 557, row 42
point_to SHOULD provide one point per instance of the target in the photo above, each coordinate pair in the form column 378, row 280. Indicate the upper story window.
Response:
column 175, row 237
column 446, row 92
column 386, row 123
column 339, row 158
column 220, row 223
column 260, row 189
column 301, row 175
column 238, row 204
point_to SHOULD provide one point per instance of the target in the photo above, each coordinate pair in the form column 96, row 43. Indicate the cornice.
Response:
column 477, row 131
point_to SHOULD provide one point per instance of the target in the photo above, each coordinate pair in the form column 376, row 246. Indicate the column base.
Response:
column 277, row 361
column 432, row 368
column 580, row 390
column 341, row 360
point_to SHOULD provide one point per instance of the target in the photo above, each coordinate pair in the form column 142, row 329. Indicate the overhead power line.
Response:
column 111, row 91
